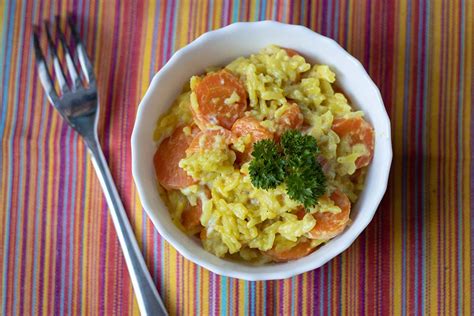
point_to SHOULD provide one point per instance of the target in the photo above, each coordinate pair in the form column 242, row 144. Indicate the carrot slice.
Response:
column 329, row 225
column 212, row 92
column 249, row 126
column 292, row 118
column 300, row 250
column 359, row 132
column 191, row 216
column 166, row 160
column 291, row 52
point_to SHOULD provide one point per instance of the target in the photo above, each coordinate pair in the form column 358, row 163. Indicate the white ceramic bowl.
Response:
column 219, row 48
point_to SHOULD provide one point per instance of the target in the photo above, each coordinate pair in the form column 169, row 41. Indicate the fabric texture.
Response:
column 59, row 253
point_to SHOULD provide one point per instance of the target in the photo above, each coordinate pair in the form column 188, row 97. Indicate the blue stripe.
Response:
column 210, row 21
column 262, row 8
column 328, row 19
column 284, row 14
column 167, row 28
column 5, row 49
column 274, row 11
column 302, row 12
column 336, row 20
column 223, row 297
column 235, row 11
column 252, row 297
column 6, row 245
column 175, row 24
column 231, row 294
column 154, row 45
column 293, row 293
column 246, row 300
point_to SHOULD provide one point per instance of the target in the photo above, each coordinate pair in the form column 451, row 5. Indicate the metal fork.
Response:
column 79, row 106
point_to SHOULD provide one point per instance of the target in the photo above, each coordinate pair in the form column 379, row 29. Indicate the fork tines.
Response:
column 43, row 72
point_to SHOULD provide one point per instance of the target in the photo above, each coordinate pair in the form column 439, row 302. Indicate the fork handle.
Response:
column 148, row 298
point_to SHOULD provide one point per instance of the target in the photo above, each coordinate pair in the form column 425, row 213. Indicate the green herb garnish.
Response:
column 293, row 161
column 267, row 169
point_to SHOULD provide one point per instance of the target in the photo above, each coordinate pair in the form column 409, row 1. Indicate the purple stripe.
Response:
column 59, row 219
column 316, row 289
column 323, row 23
column 103, row 251
column 460, row 165
column 41, row 268
column 441, row 227
column 31, row 72
column 405, row 169
column 367, row 37
column 71, row 251
column 425, row 162
column 291, row 14
column 111, row 87
column 308, row 13
column 281, row 286
column 300, row 292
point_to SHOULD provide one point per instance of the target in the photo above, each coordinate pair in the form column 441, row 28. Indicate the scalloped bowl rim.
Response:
column 141, row 135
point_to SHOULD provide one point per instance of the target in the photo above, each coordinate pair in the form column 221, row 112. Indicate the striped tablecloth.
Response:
column 58, row 249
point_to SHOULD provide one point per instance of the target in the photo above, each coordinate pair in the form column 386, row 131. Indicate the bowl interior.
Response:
column 217, row 49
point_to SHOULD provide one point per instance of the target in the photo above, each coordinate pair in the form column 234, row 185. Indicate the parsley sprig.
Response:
column 267, row 169
column 292, row 161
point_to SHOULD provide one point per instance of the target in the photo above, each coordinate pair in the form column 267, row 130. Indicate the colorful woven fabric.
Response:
column 58, row 249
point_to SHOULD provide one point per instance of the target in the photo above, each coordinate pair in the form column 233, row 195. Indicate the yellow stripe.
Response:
column 203, row 296
column 242, row 306
column 216, row 12
column 148, row 42
column 397, row 246
column 253, row 10
column 433, row 234
column 453, row 123
column 85, row 239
